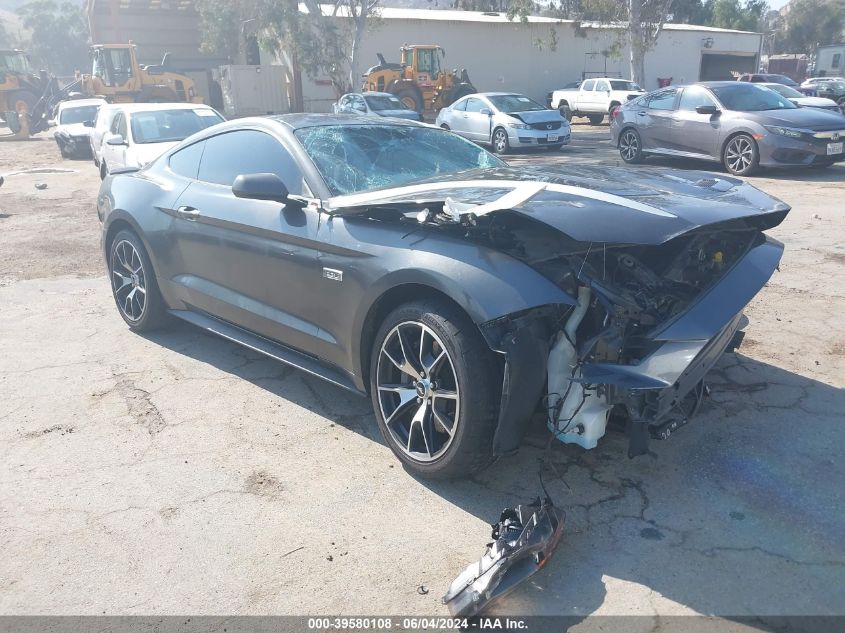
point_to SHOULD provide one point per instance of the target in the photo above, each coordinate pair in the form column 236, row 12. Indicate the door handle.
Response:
column 643, row 113
column 188, row 213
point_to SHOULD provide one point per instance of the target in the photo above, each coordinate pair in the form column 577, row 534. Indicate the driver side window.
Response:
column 231, row 154
column 474, row 105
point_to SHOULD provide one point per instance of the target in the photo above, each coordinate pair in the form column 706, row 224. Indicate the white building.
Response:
column 510, row 55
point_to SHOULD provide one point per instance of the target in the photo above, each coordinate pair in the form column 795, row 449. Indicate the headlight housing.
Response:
column 784, row 131
column 519, row 126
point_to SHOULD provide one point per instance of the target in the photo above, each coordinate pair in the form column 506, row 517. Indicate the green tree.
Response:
column 811, row 23
column 315, row 40
column 731, row 14
column 59, row 38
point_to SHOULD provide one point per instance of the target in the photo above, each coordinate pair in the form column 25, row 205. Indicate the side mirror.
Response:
column 260, row 187
column 51, row 123
column 88, row 123
column 117, row 139
column 707, row 109
column 486, row 111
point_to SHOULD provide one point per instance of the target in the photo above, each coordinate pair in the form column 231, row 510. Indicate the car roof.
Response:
column 80, row 103
column 304, row 120
column 154, row 107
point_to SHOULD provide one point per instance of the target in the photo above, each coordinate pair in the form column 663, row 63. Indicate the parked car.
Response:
column 141, row 132
column 834, row 90
column 768, row 78
column 812, row 82
column 99, row 127
column 594, row 98
column 505, row 121
column 403, row 261
column 803, row 100
column 375, row 103
column 71, row 134
column 741, row 125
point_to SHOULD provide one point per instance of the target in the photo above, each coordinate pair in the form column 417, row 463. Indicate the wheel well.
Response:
column 612, row 105
column 445, row 127
column 383, row 306
column 115, row 228
column 622, row 132
column 562, row 102
column 728, row 140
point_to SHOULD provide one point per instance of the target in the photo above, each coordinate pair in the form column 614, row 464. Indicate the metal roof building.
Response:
column 500, row 54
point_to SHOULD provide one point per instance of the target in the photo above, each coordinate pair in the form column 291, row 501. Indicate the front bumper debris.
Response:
column 523, row 540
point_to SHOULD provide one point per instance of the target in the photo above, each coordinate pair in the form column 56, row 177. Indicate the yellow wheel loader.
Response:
column 117, row 77
column 419, row 79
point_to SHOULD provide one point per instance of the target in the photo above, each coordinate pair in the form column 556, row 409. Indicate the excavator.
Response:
column 27, row 99
column 419, row 80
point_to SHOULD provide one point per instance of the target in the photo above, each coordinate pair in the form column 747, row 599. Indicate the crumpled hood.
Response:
column 73, row 129
column 536, row 116
column 590, row 203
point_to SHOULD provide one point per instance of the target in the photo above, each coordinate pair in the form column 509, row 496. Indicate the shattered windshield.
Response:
column 515, row 103
column 357, row 158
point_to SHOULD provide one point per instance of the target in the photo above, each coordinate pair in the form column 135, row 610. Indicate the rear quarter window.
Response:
column 186, row 162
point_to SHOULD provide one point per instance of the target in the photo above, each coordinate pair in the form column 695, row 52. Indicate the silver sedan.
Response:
column 505, row 121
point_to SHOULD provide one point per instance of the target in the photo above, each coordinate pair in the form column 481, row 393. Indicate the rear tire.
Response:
column 440, row 425
column 104, row 171
column 411, row 99
column 133, row 283
column 595, row 119
column 631, row 146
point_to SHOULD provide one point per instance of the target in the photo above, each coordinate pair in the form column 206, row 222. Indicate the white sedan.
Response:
column 141, row 132
column 72, row 132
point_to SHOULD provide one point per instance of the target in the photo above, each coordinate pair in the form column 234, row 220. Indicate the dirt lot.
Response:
column 177, row 473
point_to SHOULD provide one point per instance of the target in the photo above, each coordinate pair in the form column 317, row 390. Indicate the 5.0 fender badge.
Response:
column 333, row 274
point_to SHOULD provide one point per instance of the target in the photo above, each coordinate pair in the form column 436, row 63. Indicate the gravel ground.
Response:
column 177, row 473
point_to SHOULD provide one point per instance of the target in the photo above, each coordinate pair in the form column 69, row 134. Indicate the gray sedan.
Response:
column 504, row 121
column 741, row 125
column 375, row 103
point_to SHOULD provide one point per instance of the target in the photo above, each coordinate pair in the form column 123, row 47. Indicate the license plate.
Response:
column 554, row 137
column 834, row 148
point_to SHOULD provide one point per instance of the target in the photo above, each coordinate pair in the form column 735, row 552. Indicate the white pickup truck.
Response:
column 594, row 98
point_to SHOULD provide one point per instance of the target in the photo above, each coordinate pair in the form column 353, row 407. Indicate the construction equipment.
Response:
column 118, row 77
column 26, row 98
column 419, row 80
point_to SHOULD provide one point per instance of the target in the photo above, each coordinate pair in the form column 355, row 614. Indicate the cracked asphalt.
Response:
column 179, row 474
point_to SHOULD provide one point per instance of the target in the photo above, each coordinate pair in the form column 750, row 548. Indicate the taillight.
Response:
column 614, row 112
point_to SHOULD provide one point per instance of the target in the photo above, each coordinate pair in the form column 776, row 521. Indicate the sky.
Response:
column 777, row 4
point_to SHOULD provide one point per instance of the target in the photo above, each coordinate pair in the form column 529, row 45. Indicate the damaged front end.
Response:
column 648, row 323
column 658, row 272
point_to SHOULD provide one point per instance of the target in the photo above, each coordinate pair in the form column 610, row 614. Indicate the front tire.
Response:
column 501, row 143
column 133, row 283
column 104, row 171
column 631, row 146
column 741, row 155
column 434, row 390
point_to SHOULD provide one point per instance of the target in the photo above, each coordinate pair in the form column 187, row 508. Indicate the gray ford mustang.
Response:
column 400, row 260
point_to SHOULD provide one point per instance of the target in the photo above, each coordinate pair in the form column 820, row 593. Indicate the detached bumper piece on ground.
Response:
column 523, row 540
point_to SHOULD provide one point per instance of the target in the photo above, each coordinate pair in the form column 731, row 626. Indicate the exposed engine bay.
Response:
column 614, row 351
